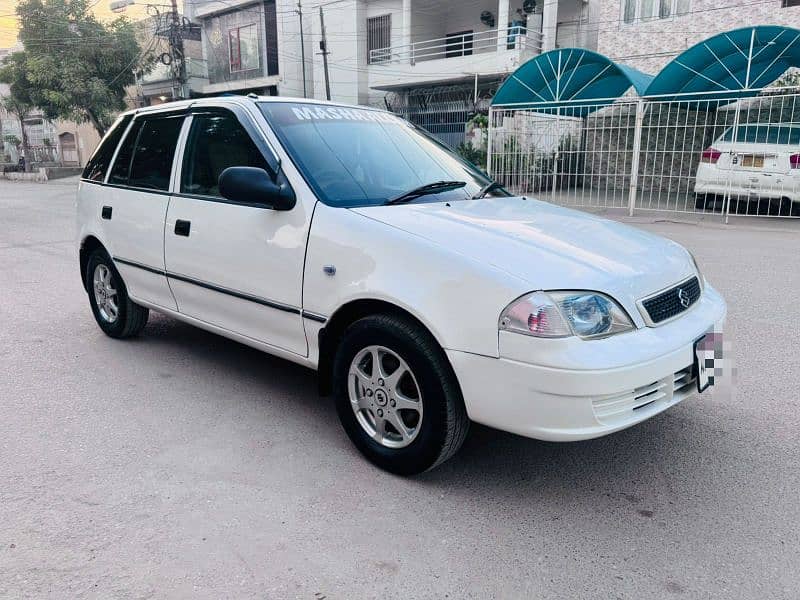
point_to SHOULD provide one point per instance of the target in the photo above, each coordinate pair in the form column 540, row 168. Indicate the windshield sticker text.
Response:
column 316, row 113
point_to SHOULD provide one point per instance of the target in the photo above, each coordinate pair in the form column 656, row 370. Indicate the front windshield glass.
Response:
column 361, row 156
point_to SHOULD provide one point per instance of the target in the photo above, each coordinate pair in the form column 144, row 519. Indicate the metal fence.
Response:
column 691, row 154
column 446, row 120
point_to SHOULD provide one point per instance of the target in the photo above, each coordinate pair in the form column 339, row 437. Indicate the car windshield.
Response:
column 361, row 157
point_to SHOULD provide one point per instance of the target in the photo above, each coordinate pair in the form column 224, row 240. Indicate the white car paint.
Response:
column 454, row 266
column 763, row 162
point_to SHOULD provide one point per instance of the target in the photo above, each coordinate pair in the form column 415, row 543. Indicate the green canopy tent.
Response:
column 734, row 64
column 581, row 78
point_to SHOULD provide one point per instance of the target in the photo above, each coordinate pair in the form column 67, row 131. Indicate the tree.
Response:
column 78, row 67
column 790, row 78
column 20, row 110
column 18, row 102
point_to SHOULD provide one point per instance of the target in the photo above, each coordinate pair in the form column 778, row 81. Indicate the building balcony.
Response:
column 453, row 57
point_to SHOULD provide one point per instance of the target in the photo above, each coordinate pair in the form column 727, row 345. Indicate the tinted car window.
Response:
column 98, row 165
column 216, row 142
column 155, row 148
column 122, row 165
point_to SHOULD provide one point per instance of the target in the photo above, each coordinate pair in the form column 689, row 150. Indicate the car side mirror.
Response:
column 252, row 186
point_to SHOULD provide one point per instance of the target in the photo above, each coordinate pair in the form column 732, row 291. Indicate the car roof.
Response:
column 237, row 100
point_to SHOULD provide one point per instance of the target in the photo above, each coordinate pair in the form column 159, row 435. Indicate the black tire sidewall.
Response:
column 117, row 328
column 428, row 369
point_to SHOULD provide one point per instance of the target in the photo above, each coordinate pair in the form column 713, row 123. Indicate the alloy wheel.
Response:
column 385, row 396
column 105, row 294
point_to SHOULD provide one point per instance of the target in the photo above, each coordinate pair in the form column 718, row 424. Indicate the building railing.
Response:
column 466, row 44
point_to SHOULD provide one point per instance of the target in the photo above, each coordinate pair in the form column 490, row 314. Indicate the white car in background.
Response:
column 350, row 241
column 763, row 162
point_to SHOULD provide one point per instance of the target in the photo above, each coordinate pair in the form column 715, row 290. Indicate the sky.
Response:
column 9, row 26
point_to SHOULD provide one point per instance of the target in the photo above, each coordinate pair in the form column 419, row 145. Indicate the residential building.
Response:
column 240, row 45
column 41, row 135
column 159, row 81
column 647, row 34
column 436, row 62
column 75, row 142
column 57, row 142
column 377, row 46
column 400, row 46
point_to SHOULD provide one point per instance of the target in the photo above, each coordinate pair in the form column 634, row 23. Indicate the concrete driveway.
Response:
column 183, row 465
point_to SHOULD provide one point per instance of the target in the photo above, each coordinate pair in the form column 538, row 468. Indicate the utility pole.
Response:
column 176, row 50
column 299, row 12
column 323, row 46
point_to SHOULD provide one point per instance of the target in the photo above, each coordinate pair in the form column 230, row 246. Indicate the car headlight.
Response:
column 700, row 277
column 561, row 314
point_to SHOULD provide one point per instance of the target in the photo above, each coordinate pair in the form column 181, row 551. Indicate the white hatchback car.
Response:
column 763, row 162
column 348, row 240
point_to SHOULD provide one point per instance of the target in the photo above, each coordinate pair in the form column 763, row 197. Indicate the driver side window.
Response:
column 216, row 142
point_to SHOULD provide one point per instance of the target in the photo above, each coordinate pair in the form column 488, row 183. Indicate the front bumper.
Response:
column 607, row 385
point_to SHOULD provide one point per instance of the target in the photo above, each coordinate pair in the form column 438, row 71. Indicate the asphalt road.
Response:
column 183, row 465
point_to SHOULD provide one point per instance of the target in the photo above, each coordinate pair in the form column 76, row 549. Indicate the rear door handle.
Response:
column 183, row 227
column 106, row 213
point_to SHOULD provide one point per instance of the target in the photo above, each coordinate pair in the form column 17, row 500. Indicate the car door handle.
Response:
column 183, row 227
column 106, row 213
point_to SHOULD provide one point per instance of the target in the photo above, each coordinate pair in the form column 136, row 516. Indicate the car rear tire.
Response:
column 397, row 396
column 116, row 314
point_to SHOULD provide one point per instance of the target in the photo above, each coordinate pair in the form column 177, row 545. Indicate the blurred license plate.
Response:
column 703, row 362
column 752, row 160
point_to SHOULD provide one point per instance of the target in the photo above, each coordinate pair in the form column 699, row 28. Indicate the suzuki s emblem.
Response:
column 684, row 298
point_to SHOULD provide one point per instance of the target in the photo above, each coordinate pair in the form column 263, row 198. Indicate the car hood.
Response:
column 547, row 246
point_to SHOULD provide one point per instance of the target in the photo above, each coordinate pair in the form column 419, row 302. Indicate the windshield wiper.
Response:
column 489, row 187
column 424, row 190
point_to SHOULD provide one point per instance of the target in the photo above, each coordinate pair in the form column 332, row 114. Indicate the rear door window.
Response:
column 152, row 159
column 101, row 159
column 145, row 157
column 216, row 141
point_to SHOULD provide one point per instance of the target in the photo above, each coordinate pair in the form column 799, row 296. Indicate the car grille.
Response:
column 672, row 302
column 624, row 407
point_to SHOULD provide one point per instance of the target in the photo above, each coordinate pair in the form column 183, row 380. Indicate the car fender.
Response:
column 89, row 223
column 352, row 257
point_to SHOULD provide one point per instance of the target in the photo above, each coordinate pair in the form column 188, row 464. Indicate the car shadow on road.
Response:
column 489, row 459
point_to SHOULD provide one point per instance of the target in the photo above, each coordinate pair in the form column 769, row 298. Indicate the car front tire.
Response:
column 116, row 314
column 397, row 396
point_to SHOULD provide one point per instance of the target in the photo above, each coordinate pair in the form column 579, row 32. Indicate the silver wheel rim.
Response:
column 385, row 397
column 105, row 294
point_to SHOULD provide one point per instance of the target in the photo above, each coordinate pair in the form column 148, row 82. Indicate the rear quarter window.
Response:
column 98, row 164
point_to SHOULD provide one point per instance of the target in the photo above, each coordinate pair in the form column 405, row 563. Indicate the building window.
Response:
column 379, row 38
column 788, row 3
column 629, row 11
column 458, row 44
column 649, row 10
column 243, row 47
